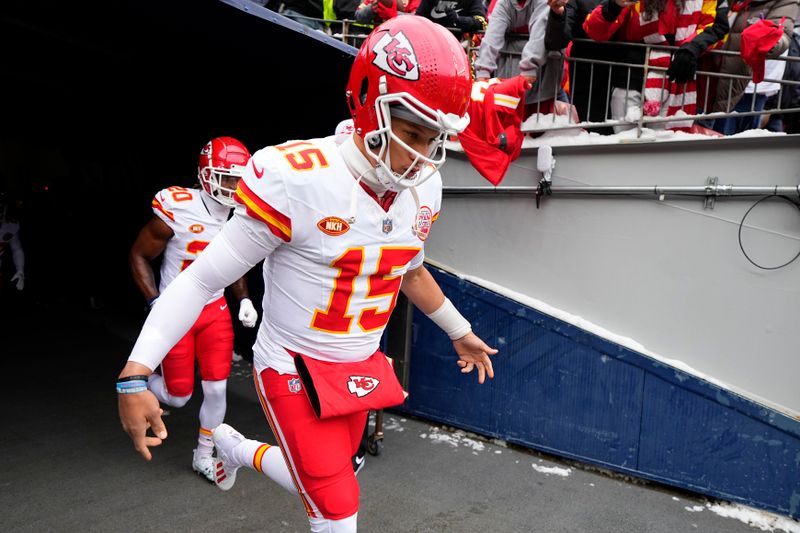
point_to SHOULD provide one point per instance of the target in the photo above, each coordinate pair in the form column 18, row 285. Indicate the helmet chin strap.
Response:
column 382, row 175
column 388, row 179
column 363, row 170
column 351, row 215
column 214, row 206
column 361, row 167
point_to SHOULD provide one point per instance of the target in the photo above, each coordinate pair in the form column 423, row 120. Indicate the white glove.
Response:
column 247, row 313
column 19, row 277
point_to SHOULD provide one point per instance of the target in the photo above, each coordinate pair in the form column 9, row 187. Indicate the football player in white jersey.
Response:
column 184, row 223
column 344, row 130
column 342, row 228
column 9, row 239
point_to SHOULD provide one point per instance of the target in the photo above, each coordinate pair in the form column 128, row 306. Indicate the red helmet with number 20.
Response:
column 412, row 68
column 222, row 163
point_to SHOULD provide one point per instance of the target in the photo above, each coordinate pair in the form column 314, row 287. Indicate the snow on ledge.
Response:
column 581, row 137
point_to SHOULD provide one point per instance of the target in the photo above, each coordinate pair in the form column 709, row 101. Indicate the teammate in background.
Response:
column 342, row 229
column 184, row 222
column 9, row 239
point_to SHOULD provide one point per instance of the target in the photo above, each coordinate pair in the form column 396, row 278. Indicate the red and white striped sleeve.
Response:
column 262, row 197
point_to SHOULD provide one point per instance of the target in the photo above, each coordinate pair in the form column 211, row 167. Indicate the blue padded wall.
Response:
column 565, row 391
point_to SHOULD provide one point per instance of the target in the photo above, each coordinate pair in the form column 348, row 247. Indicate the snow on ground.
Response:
column 555, row 470
column 753, row 517
column 455, row 438
column 391, row 423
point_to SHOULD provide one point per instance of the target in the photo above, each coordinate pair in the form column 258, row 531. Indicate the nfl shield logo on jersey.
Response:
column 387, row 225
column 295, row 385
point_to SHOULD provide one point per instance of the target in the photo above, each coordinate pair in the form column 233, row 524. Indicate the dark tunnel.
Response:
column 108, row 102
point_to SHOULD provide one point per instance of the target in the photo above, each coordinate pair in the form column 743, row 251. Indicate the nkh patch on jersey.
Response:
column 333, row 226
column 395, row 55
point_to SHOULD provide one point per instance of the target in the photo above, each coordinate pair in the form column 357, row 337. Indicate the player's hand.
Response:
column 474, row 353
column 247, row 313
column 137, row 413
column 19, row 277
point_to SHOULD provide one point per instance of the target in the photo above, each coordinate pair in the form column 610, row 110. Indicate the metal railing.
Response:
column 706, row 79
column 353, row 33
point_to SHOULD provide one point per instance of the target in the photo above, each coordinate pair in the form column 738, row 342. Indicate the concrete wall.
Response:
column 667, row 274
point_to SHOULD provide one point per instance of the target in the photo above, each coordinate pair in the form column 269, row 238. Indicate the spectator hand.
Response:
column 19, row 277
column 450, row 19
column 474, row 353
column 557, row 6
column 683, row 66
column 247, row 313
column 386, row 12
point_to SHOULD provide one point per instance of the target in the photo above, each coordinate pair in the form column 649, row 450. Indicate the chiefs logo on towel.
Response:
column 362, row 385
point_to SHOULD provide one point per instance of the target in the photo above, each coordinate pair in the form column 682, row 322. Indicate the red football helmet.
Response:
column 222, row 163
column 415, row 69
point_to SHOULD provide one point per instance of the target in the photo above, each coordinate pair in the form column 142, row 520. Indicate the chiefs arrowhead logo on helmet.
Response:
column 395, row 55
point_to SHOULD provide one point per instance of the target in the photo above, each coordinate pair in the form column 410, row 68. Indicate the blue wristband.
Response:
column 131, row 387
column 133, row 390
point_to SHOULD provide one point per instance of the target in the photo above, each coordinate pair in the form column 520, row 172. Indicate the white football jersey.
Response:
column 194, row 222
column 331, row 284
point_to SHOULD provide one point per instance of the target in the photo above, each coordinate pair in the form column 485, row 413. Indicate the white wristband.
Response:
column 450, row 320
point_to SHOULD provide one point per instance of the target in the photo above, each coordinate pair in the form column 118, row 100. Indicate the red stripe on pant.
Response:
column 317, row 452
